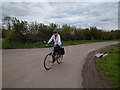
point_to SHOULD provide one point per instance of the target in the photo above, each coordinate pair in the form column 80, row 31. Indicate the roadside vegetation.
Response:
column 109, row 66
column 7, row 45
column 22, row 34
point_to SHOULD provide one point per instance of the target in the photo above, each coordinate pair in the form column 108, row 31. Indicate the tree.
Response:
column 20, row 30
column 15, row 30
column 7, row 22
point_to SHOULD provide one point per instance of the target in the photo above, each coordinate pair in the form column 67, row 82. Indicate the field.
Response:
column 109, row 66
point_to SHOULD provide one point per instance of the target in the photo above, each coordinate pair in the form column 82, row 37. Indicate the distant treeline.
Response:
column 20, row 31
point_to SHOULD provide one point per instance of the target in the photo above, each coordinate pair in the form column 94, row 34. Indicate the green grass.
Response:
column 109, row 66
column 75, row 42
column 7, row 45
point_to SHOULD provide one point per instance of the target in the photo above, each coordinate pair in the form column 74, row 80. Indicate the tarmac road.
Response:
column 23, row 68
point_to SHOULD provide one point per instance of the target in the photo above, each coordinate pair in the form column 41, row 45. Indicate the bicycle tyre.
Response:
column 45, row 62
column 59, row 60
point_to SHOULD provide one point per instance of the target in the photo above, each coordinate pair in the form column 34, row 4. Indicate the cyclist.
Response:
column 57, row 42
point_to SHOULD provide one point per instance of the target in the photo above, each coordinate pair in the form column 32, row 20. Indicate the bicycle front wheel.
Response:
column 48, row 62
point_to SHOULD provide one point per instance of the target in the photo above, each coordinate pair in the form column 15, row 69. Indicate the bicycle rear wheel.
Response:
column 48, row 62
column 59, row 60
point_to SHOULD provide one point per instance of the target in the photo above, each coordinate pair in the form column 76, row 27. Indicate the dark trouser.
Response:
column 56, row 51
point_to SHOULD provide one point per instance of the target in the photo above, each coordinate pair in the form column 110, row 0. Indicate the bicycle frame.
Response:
column 51, row 49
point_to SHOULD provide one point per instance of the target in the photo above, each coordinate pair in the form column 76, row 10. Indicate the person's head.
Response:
column 55, row 32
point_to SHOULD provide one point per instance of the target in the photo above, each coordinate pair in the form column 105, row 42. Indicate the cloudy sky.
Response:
column 81, row 14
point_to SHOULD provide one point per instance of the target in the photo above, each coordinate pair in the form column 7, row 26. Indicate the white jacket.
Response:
column 56, row 41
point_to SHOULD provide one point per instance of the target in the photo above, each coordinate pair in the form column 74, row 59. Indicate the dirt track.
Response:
column 23, row 68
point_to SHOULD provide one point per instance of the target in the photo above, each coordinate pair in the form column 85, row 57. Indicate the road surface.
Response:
column 23, row 68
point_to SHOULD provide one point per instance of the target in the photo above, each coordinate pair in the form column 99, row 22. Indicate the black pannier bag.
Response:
column 62, row 51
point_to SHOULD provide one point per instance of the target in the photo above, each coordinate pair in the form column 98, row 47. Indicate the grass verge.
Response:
column 7, row 45
column 109, row 66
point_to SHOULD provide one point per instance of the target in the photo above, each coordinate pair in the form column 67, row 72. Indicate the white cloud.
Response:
column 99, row 14
column 60, row 0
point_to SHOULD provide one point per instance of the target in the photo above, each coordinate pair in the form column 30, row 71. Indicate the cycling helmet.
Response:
column 55, row 31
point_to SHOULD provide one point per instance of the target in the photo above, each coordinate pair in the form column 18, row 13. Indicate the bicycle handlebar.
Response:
column 48, row 45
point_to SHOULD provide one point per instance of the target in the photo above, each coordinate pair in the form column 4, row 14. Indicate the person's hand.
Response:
column 46, row 45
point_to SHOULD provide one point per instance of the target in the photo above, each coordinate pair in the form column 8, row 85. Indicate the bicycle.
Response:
column 48, row 61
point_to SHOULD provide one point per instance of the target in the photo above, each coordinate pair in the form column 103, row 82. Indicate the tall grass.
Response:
column 109, row 66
